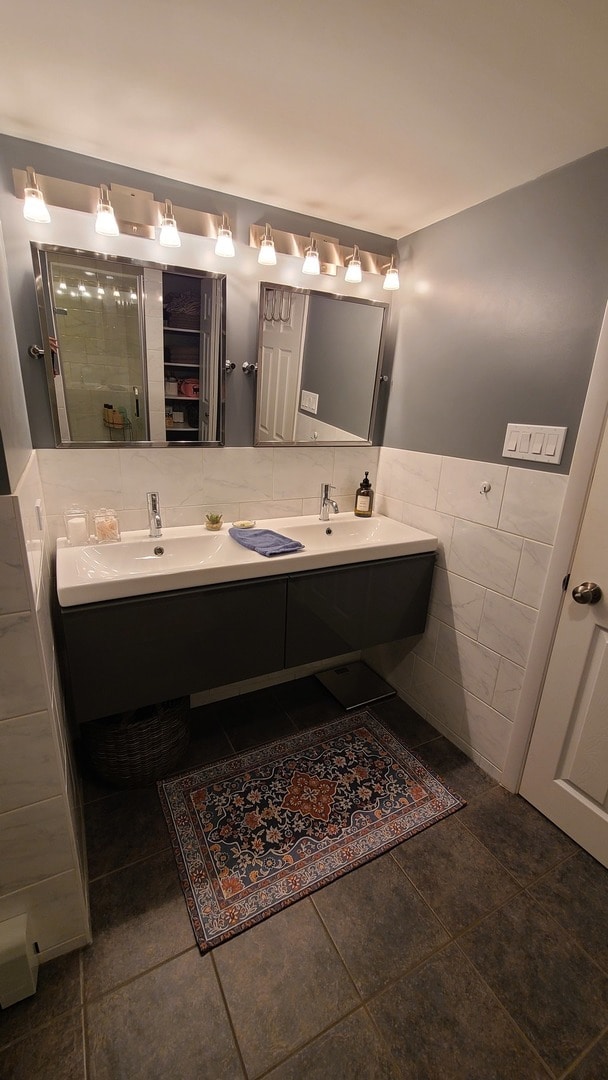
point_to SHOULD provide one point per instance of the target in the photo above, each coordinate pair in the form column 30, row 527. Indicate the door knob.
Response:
column 587, row 593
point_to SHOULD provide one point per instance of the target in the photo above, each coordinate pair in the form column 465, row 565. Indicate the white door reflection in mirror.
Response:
column 319, row 358
column 281, row 361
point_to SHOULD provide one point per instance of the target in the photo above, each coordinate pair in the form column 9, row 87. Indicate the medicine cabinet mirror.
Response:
column 319, row 359
column 134, row 351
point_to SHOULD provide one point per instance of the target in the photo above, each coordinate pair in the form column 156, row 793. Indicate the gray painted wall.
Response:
column 242, row 279
column 499, row 314
column 345, row 338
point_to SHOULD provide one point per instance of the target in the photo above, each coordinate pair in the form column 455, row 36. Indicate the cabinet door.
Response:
column 330, row 612
column 123, row 654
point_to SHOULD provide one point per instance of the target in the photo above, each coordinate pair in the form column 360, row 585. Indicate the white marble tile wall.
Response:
column 258, row 482
column 13, row 576
column 465, row 673
column 40, row 864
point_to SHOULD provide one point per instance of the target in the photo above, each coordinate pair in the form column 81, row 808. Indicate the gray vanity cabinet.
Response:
column 336, row 611
column 122, row 654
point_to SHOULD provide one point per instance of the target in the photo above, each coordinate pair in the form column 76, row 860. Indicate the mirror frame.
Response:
column 377, row 374
column 40, row 253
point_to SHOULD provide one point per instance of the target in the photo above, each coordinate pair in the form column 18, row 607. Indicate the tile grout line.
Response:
column 39, row 1027
column 523, row 892
column 129, row 865
column 335, row 946
column 528, row 884
column 95, row 998
column 511, row 1019
column 564, row 931
column 308, row 1042
column 228, row 1013
column 581, row 1057
column 455, row 935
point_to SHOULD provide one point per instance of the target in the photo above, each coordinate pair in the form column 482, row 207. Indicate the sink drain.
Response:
column 159, row 551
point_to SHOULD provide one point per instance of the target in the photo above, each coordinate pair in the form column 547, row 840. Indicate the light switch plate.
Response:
column 309, row 401
column 535, row 442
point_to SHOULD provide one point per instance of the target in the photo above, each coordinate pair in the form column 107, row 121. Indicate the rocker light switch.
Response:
column 534, row 442
column 309, row 401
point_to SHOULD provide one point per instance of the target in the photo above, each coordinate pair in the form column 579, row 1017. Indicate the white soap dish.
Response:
column 246, row 524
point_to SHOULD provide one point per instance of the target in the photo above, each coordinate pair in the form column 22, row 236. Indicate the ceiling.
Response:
column 385, row 116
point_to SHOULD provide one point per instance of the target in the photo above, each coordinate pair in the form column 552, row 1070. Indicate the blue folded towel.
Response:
column 265, row 541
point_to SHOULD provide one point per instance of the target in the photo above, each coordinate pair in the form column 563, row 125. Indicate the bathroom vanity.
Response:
column 149, row 631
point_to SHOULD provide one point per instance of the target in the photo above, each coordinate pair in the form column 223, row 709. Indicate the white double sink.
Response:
column 192, row 556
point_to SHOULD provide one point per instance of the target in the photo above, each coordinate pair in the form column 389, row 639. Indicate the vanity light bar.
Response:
column 138, row 213
column 331, row 252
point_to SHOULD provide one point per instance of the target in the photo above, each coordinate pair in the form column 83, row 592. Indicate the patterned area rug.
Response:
column 256, row 832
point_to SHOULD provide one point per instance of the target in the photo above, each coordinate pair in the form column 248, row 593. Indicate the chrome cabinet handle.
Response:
column 587, row 593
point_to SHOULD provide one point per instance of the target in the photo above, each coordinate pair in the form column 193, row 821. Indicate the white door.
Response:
column 279, row 366
column 566, row 771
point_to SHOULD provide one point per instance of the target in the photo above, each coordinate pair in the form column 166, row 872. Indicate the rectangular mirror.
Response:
column 134, row 352
column 319, row 361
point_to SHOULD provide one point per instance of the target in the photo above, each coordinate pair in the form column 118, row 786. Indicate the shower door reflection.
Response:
column 98, row 350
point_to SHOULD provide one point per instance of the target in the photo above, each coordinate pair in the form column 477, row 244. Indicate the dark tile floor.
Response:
column 476, row 950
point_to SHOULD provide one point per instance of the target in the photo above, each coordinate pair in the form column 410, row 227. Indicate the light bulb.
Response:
column 169, row 236
column 224, row 244
column 267, row 255
column 353, row 270
column 116, row 293
column 62, row 285
column 81, row 287
column 133, row 296
column 391, row 278
column 34, row 207
column 100, row 290
column 105, row 222
column 311, row 264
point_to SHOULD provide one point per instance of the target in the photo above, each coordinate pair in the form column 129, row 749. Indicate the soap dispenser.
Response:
column 364, row 498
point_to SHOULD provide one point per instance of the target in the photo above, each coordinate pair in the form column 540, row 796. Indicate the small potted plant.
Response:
column 213, row 522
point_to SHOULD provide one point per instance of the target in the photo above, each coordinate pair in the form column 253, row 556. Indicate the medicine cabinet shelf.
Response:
column 188, row 299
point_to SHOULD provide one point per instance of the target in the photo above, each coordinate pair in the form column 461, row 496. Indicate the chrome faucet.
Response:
column 154, row 518
column 326, row 502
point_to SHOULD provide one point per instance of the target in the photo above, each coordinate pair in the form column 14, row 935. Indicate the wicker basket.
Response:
column 137, row 747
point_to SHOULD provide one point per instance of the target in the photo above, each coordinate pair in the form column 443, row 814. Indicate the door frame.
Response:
column 583, row 463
